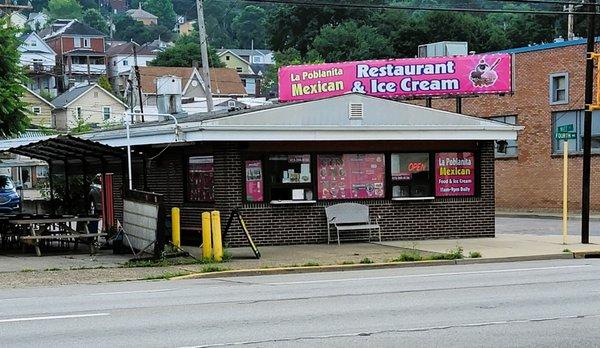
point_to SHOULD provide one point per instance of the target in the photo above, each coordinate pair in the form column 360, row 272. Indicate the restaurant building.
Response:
column 424, row 173
column 548, row 92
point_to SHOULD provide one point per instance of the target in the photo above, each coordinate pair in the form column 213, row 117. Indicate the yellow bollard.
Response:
column 175, row 228
column 206, row 239
column 216, row 235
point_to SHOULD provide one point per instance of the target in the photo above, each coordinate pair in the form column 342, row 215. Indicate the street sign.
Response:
column 565, row 129
column 566, row 136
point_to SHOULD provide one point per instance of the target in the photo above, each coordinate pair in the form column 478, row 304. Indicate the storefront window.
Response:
column 351, row 176
column 290, row 177
column 454, row 174
column 410, row 175
column 200, row 179
column 254, row 181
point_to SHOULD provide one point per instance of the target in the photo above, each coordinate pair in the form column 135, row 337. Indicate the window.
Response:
column 41, row 171
column 238, row 69
column 36, row 110
column 290, row 178
column 512, row 146
column 115, row 63
column 410, row 175
column 257, row 59
column 575, row 118
column 559, row 88
column 95, row 94
column 33, row 43
column 244, row 82
column 106, row 112
column 351, row 176
column 79, row 112
column 86, row 42
column 227, row 57
column 125, row 62
column 77, row 41
column 200, row 178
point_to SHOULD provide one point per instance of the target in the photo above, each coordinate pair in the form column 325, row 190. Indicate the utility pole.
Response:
column 570, row 34
column 204, row 54
column 587, row 125
column 137, row 78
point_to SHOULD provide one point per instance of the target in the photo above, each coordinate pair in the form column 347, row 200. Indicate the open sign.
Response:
column 416, row 167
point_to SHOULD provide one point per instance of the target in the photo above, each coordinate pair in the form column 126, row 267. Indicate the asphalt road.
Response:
column 542, row 226
column 549, row 303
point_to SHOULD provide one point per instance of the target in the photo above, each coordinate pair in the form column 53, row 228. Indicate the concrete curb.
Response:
column 356, row 267
column 590, row 254
column 542, row 216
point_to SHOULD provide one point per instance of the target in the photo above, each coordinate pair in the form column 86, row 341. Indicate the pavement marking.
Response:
column 54, row 317
column 427, row 275
column 86, row 295
column 397, row 331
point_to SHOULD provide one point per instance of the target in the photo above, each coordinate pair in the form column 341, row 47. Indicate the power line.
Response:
column 551, row 2
column 409, row 7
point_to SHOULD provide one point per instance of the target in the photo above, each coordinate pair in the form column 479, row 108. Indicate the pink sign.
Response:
column 398, row 78
column 351, row 176
column 254, row 184
column 454, row 174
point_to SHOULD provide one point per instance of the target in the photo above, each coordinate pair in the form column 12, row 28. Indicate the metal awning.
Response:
column 68, row 148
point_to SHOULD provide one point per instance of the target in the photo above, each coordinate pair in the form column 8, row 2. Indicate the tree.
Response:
column 163, row 9
column 185, row 52
column 291, row 56
column 94, row 19
column 127, row 29
column 13, row 111
column 249, row 27
column 64, row 9
column 104, row 83
column 351, row 41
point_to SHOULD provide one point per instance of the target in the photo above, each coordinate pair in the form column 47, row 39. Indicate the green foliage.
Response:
column 409, row 256
column 453, row 254
column 13, row 112
column 311, row 264
column 58, row 9
column 94, row 19
column 474, row 254
column 127, row 29
column 185, row 51
column 81, row 126
column 212, row 268
column 163, row 9
column 104, row 83
column 290, row 56
column 566, row 250
column 46, row 95
column 351, row 41
column 366, row 260
column 249, row 25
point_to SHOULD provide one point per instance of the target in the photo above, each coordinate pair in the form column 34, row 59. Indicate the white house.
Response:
column 121, row 60
column 39, row 60
column 18, row 20
column 37, row 20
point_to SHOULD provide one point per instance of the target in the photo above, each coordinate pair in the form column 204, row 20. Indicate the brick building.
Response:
column 548, row 83
column 424, row 173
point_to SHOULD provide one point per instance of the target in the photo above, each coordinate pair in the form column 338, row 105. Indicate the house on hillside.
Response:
column 17, row 20
column 115, row 6
column 39, row 60
column 225, row 83
column 80, row 51
column 158, row 45
column 143, row 16
column 37, row 20
column 40, row 108
column 90, row 104
column 121, row 59
column 251, row 65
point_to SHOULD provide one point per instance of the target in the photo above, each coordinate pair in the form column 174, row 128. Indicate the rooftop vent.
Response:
column 355, row 110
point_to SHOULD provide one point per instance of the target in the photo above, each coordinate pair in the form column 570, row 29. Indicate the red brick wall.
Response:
column 293, row 224
column 533, row 181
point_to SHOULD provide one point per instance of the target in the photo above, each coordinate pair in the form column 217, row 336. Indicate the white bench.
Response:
column 349, row 217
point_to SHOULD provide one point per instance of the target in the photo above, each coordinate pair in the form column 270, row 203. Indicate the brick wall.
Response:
column 533, row 181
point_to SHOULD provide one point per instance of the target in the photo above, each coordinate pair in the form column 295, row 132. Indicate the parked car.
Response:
column 10, row 202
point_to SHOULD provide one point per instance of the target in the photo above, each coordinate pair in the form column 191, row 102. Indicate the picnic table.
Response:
column 57, row 228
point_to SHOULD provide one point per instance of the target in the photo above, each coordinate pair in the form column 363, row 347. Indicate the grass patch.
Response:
column 474, row 254
column 453, row 254
column 166, row 275
column 347, row 263
column 311, row 264
column 366, row 260
column 164, row 262
column 566, row 250
column 408, row 257
column 26, row 270
column 212, row 268
column 52, row 269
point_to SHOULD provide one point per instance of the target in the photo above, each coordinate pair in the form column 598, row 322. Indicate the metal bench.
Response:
column 349, row 217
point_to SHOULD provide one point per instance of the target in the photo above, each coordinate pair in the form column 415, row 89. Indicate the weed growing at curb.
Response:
column 311, row 264
column 474, row 254
column 408, row 257
column 25, row 270
column 347, row 263
column 366, row 260
column 166, row 276
column 566, row 250
column 52, row 269
column 212, row 268
column 453, row 254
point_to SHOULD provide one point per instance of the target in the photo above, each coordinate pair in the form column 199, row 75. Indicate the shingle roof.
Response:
column 140, row 13
column 245, row 52
column 62, row 100
column 69, row 27
column 127, row 48
column 223, row 81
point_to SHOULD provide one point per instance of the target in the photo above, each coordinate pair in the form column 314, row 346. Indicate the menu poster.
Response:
column 454, row 174
column 351, row 176
column 200, row 179
column 254, row 181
